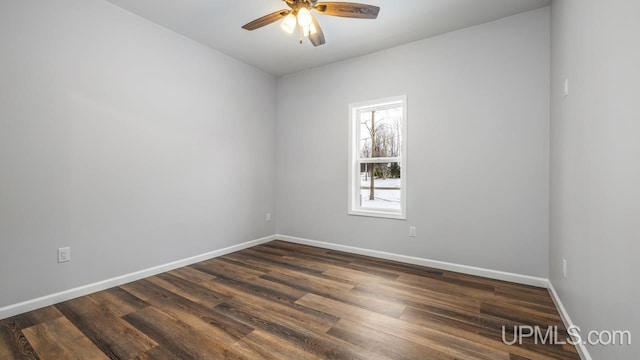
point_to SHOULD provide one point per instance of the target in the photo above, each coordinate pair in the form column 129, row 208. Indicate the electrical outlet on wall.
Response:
column 64, row 254
column 564, row 268
column 268, row 217
column 412, row 231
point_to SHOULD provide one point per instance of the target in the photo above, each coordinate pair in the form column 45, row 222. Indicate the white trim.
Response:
column 582, row 349
column 380, row 213
column 51, row 299
column 465, row 269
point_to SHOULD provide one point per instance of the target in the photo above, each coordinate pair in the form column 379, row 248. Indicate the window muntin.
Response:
column 377, row 167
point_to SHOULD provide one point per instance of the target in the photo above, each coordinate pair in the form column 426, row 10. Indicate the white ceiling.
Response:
column 216, row 23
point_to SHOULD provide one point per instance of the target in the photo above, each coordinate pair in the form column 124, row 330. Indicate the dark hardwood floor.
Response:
column 286, row 301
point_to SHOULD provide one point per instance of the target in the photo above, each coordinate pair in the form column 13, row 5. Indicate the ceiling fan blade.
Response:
column 316, row 39
column 347, row 9
column 266, row 20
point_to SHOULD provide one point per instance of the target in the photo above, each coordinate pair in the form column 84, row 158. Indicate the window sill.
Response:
column 378, row 214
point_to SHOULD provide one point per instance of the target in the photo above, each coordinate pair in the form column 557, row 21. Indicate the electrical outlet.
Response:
column 564, row 267
column 268, row 217
column 565, row 88
column 64, row 254
column 412, row 231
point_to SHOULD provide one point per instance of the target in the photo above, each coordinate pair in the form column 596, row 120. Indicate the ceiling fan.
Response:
column 300, row 14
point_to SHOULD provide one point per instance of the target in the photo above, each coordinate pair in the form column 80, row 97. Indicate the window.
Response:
column 377, row 164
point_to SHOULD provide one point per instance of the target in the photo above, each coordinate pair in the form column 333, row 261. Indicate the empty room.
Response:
column 303, row 179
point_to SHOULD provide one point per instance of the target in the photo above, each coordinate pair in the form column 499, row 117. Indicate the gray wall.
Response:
column 478, row 119
column 125, row 141
column 595, row 166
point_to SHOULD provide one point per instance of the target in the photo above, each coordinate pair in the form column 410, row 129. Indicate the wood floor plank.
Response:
column 320, row 256
column 355, row 276
column 13, row 343
column 389, row 265
column 112, row 335
column 436, row 340
column 291, row 316
column 118, row 301
column 478, row 334
column 193, row 275
column 287, row 313
column 383, row 343
column 522, row 293
column 157, row 353
column 415, row 296
column 313, row 265
column 267, row 346
column 59, row 339
column 282, row 300
column 36, row 317
column 233, row 267
column 530, row 294
column 370, row 302
column 521, row 315
column 177, row 337
column 483, row 324
column 307, row 282
column 200, row 317
column 270, row 262
column 263, row 289
column 291, row 291
column 187, row 289
column 335, row 290
column 317, row 343
column 443, row 282
column 373, row 270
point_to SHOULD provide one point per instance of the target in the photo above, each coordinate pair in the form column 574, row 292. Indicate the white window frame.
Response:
column 354, row 159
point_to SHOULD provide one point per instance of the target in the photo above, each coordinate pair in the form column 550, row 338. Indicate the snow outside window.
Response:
column 377, row 164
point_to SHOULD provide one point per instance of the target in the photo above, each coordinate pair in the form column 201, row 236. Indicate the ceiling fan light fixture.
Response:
column 299, row 14
column 306, row 31
column 304, row 17
column 289, row 23
column 309, row 30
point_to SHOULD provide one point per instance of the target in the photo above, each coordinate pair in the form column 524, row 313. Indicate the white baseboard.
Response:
column 582, row 349
column 471, row 270
column 47, row 300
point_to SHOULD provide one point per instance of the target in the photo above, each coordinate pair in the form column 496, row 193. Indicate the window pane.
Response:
column 380, row 132
column 380, row 186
